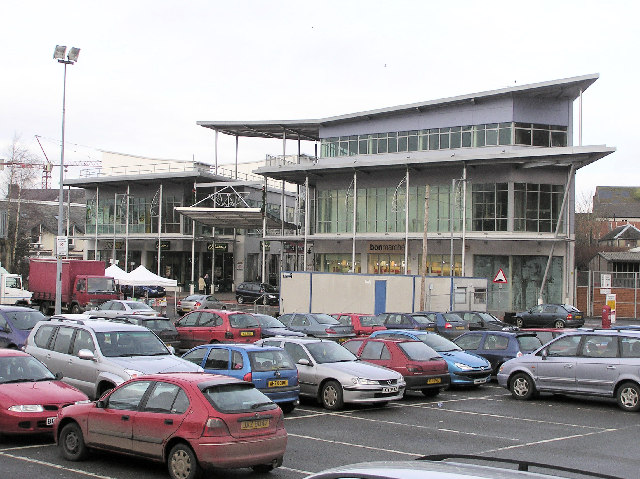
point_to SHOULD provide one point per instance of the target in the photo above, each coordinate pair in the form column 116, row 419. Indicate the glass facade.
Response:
column 336, row 263
column 446, row 138
column 537, row 207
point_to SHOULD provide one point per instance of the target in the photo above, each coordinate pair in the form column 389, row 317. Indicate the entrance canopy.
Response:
column 246, row 218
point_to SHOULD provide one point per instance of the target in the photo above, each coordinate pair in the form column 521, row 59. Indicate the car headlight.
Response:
column 366, row 382
column 462, row 366
column 27, row 408
column 133, row 373
column 501, row 367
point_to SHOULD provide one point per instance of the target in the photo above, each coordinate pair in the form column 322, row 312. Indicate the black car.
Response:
column 143, row 291
column 254, row 292
column 550, row 316
column 163, row 327
column 480, row 320
column 407, row 321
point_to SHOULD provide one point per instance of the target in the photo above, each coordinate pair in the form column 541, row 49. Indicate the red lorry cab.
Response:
column 84, row 285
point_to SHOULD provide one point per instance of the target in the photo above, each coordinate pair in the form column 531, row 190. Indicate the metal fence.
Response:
column 594, row 286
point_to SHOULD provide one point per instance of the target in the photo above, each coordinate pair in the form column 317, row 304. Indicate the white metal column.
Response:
column 355, row 208
column 406, row 225
column 159, row 228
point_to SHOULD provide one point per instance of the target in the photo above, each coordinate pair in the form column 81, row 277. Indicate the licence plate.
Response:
column 392, row 389
column 246, row 333
column 430, row 329
column 342, row 340
column 50, row 421
column 277, row 383
column 459, row 327
column 257, row 424
column 480, row 381
column 434, row 380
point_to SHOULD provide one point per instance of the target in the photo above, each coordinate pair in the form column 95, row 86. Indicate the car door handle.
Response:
column 168, row 421
column 611, row 366
column 124, row 418
column 568, row 366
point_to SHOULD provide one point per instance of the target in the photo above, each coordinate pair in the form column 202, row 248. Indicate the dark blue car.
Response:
column 269, row 368
column 498, row 346
column 16, row 323
column 449, row 325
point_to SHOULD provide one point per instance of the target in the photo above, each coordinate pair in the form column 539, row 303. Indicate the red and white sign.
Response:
column 500, row 277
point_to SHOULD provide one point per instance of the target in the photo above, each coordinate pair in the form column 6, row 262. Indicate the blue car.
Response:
column 449, row 325
column 465, row 369
column 269, row 368
column 16, row 323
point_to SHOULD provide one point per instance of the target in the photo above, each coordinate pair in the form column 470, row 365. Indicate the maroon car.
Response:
column 30, row 395
column 363, row 324
column 217, row 326
column 422, row 367
column 190, row 421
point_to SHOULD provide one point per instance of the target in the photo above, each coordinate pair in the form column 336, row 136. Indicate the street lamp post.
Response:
column 72, row 57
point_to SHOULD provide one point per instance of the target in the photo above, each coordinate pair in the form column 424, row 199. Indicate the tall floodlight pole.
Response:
column 72, row 57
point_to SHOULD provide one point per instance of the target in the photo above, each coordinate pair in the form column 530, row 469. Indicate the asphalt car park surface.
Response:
column 574, row 432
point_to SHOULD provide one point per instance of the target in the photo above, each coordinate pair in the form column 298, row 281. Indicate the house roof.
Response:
column 617, row 202
column 621, row 256
column 623, row 232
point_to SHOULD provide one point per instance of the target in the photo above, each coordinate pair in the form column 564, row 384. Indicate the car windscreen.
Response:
column 115, row 344
column 371, row 321
column 241, row 320
column 24, row 320
column 489, row 317
column 324, row 319
column 194, row 297
column 270, row 289
column 137, row 306
column 451, row 317
column 267, row 321
column 418, row 351
column 571, row 309
column 329, row 352
column 158, row 325
column 237, row 398
column 17, row 369
column 529, row 343
column 270, row 360
column 439, row 343
column 101, row 285
column 422, row 319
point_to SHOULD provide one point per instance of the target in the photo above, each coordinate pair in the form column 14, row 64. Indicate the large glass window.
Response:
column 537, row 207
column 385, row 263
column 336, row 263
column 489, row 210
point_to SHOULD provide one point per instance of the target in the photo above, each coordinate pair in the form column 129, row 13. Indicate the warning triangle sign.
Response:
column 500, row 277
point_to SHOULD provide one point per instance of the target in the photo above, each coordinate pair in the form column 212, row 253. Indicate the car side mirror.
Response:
column 304, row 362
column 171, row 349
column 544, row 353
column 58, row 376
column 86, row 354
column 101, row 403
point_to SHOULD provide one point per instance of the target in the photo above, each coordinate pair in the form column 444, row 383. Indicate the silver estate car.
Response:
column 603, row 363
column 332, row 375
column 94, row 355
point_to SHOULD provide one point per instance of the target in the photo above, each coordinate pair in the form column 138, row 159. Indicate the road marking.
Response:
column 56, row 466
column 25, row 447
column 306, row 473
column 331, row 441
column 546, row 441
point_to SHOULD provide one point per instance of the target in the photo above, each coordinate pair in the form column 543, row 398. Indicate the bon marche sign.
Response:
column 386, row 247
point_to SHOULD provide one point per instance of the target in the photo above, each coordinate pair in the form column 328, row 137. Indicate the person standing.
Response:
column 207, row 284
column 201, row 285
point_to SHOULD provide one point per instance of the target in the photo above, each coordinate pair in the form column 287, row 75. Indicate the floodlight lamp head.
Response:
column 73, row 54
column 58, row 53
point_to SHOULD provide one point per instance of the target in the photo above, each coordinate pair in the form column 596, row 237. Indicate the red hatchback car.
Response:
column 190, row 421
column 363, row 324
column 217, row 326
column 30, row 395
column 423, row 368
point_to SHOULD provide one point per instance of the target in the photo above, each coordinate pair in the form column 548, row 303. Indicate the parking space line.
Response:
column 545, row 441
column 306, row 473
column 56, row 466
column 331, row 441
column 26, row 447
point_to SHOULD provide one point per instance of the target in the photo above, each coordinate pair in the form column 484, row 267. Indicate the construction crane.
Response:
column 48, row 166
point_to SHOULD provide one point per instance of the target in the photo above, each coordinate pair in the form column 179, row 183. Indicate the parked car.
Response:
column 163, row 327
column 96, row 355
column 479, row 320
column 550, row 316
column 189, row 421
column 30, row 395
column 362, row 324
column 216, row 326
column 449, row 325
column 143, row 291
column 603, row 363
column 270, row 326
column 465, row 369
column 498, row 346
column 333, row 376
column 270, row 369
column 16, row 322
column 253, row 292
column 198, row 301
column 118, row 307
column 547, row 334
column 407, row 321
column 317, row 325
column 422, row 368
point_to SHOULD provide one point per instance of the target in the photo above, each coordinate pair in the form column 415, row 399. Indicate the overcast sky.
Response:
column 149, row 70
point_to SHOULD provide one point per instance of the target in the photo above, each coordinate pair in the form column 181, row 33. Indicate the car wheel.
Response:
column 182, row 463
column 44, row 308
column 628, row 397
column 104, row 389
column 519, row 322
column 287, row 407
column 431, row 392
column 331, row 395
column 240, row 299
column 75, row 309
column 71, row 443
column 522, row 386
column 559, row 324
column 263, row 468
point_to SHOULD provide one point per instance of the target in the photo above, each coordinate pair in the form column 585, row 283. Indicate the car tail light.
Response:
column 330, row 331
column 448, row 325
column 197, row 304
column 569, row 317
column 519, row 354
column 414, row 369
column 247, row 377
column 228, row 335
column 215, row 427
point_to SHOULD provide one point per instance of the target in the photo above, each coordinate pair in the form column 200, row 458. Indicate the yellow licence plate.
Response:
column 257, row 424
column 277, row 383
column 459, row 327
column 434, row 381
column 246, row 333
column 430, row 329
